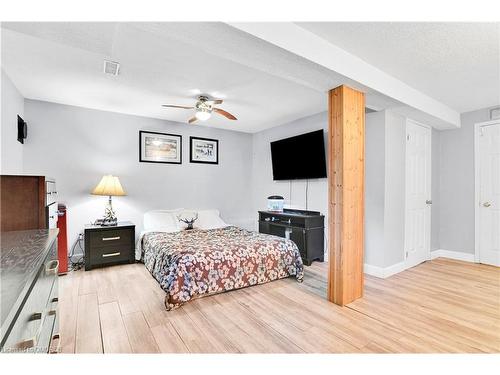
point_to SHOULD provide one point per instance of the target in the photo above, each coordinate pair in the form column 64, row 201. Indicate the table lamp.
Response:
column 110, row 186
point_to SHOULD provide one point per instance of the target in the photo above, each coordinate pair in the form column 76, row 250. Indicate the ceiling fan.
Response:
column 204, row 108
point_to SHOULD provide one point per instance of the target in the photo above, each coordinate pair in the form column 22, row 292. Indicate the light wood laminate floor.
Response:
column 439, row 306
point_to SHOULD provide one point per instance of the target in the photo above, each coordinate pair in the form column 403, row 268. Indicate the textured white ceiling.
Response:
column 63, row 62
column 262, row 85
column 456, row 63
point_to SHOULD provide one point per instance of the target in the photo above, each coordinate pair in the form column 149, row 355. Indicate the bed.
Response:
column 194, row 263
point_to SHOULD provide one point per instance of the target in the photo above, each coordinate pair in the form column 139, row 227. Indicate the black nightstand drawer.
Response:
column 106, row 246
column 109, row 254
column 110, row 237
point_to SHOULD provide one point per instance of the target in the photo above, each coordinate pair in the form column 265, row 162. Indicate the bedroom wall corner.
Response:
column 456, row 210
column 12, row 104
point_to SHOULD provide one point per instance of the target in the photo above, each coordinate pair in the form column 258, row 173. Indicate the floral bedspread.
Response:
column 193, row 263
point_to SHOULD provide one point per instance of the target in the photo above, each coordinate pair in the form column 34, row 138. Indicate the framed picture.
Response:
column 203, row 150
column 160, row 147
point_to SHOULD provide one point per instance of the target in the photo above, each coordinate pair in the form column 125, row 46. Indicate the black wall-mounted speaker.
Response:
column 22, row 129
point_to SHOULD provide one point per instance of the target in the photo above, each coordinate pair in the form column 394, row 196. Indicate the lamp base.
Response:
column 109, row 222
column 109, row 215
column 106, row 222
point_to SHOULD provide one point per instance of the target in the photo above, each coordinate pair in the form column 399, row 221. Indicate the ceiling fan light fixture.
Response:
column 204, row 108
column 202, row 114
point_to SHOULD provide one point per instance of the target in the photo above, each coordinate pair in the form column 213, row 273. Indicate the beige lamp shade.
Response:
column 109, row 185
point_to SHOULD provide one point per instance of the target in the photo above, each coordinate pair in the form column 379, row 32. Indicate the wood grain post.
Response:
column 346, row 181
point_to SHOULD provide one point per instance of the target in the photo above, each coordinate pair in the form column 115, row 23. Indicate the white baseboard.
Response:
column 384, row 272
column 401, row 266
column 395, row 268
column 374, row 270
column 457, row 255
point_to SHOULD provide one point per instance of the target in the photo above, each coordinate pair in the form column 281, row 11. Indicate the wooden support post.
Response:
column 346, row 180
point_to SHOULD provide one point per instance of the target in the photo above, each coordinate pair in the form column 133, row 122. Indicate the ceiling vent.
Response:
column 111, row 67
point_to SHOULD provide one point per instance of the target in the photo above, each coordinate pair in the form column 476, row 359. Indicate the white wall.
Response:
column 385, row 182
column 77, row 146
column 375, row 188
column 456, row 214
column 12, row 104
column 436, row 187
column 394, row 207
column 263, row 184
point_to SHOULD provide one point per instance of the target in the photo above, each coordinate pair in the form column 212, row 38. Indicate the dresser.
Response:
column 305, row 228
column 27, row 202
column 29, row 292
column 106, row 246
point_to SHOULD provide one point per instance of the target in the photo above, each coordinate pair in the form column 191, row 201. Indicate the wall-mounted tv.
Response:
column 22, row 129
column 299, row 157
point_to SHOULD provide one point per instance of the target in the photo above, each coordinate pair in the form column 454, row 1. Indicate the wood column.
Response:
column 346, row 181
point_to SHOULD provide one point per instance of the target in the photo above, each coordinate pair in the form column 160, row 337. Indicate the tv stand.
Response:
column 305, row 228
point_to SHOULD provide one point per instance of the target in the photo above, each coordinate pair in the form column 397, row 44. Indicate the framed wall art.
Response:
column 203, row 150
column 160, row 147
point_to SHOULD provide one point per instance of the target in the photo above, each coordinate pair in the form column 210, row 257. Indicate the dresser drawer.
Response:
column 27, row 330
column 49, row 324
column 50, row 192
column 111, row 238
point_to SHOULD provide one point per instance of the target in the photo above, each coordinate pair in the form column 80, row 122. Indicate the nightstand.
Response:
column 107, row 246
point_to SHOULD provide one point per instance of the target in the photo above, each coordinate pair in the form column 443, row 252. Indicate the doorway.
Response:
column 487, row 176
column 418, row 193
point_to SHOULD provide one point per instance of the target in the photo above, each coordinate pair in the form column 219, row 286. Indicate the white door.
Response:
column 418, row 194
column 489, row 193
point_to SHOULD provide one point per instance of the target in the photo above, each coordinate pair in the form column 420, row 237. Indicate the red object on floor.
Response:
column 62, row 240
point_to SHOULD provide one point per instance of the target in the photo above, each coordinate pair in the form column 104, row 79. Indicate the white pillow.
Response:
column 207, row 219
column 162, row 220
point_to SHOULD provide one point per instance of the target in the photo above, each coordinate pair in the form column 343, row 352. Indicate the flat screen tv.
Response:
column 299, row 157
column 22, row 129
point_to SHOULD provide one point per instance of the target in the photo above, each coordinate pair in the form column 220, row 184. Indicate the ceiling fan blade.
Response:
column 176, row 106
column 224, row 113
column 192, row 119
column 217, row 101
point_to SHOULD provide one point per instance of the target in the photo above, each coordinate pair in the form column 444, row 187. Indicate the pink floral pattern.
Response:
column 194, row 263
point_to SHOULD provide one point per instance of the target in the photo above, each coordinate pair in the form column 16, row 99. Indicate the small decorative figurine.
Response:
column 188, row 220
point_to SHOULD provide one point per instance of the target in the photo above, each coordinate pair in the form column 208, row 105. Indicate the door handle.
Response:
column 428, row 201
column 486, row 204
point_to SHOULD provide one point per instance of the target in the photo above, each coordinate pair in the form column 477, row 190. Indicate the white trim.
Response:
column 409, row 119
column 457, row 255
column 489, row 122
column 476, row 192
column 384, row 272
column 374, row 270
column 477, row 198
column 396, row 268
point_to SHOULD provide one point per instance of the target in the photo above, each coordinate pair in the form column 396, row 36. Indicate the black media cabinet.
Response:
column 305, row 228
